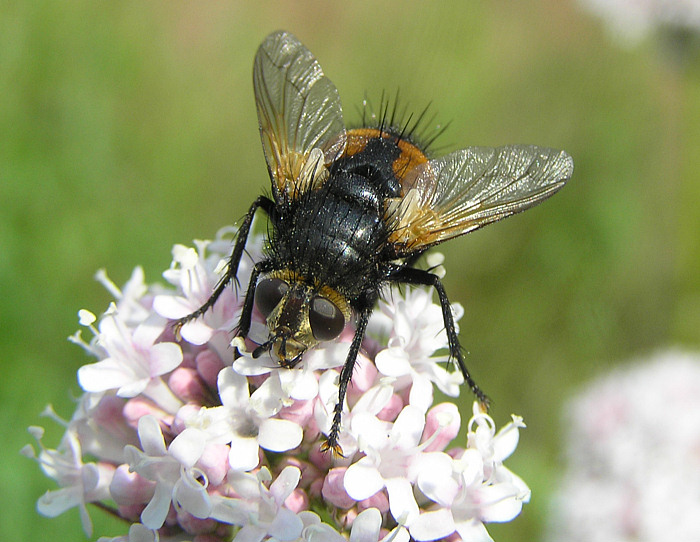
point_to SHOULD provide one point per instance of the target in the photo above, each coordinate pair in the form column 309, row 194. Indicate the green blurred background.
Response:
column 126, row 127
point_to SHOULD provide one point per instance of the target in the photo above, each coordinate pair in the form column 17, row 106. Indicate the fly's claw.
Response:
column 177, row 328
column 331, row 445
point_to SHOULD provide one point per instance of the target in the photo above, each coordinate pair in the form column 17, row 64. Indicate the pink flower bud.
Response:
column 321, row 460
column 334, row 490
column 128, row 488
column 442, row 425
column 379, row 500
column 187, row 385
column 208, row 365
column 131, row 512
column 298, row 501
column 193, row 525
column 315, row 489
column 214, row 463
column 138, row 407
column 299, row 412
column 392, row 409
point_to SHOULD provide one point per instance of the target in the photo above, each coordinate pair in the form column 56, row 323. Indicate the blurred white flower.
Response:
column 633, row 20
column 633, row 456
column 80, row 483
column 133, row 302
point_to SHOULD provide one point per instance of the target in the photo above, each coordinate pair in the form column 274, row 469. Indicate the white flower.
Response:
column 246, row 421
column 137, row 533
column 80, row 483
column 172, row 469
column 99, row 423
column 132, row 302
column 392, row 459
column 134, row 361
column 417, row 332
column 474, row 488
column 196, row 273
column 300, row 382
column 259, row 510
column 365, row 528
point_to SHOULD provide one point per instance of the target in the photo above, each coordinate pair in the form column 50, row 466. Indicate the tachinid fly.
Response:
column 351, row 210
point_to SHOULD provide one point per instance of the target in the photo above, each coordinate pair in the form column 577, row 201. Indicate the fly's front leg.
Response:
column 266, row 205
column 331, row 443
column 243, row 328
column 410, row 275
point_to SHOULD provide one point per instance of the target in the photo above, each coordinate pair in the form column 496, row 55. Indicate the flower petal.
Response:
column 164, row 357
column 188, row 446
column 408, row 427
column 151, row 436
column 153, row 516
column 244, row 454
column 393, row 361
column 402, row 502
column 362, row 480
column 473, row 530
column 286, row 526
column 499, row 503
column 54, row 503
column 506, row 440
column 366, row 526
column 435, row 479
column 285, row 483
column 108, row 374
column 279, row 435
column 433, row 525
column 233, row 388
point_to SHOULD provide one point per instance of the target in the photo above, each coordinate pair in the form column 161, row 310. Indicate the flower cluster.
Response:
column 185, row 443
column 633, row 456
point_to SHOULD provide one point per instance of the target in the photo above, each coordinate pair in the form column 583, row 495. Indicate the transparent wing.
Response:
column 298, row 110
column 468, row 189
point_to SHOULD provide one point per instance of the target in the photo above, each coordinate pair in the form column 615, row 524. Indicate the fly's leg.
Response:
column 409, row 275
column 266, row 205
column 331, row 443
column 243, row 328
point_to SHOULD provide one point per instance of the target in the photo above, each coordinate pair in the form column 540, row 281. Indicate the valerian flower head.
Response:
column 192, row 442
column 632, row 468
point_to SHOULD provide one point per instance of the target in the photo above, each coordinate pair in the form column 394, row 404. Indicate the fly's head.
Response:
column 299, row 316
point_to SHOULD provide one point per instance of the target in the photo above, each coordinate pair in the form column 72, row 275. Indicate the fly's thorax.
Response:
column 299, row 313
column 401, row 154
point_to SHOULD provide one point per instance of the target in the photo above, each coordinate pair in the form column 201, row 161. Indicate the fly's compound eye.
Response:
column 268, row 294
column 327, row 322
